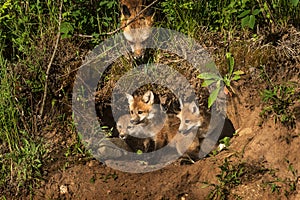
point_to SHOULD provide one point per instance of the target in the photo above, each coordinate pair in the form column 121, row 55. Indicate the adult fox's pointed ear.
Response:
column 125, row 11
column 129, row 98
column 148, row 97
column 180, row 104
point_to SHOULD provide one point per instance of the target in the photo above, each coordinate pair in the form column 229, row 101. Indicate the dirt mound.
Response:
column 260, row 163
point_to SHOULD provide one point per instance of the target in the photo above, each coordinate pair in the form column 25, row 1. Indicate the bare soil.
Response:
column 265, row 149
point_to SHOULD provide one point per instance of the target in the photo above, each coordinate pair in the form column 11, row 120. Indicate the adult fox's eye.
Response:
column 129, row 127
column 187, row 121
column 131, row 112
column 140, row 112
column 125, row 11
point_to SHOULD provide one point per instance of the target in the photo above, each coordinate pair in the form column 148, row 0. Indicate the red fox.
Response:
column 190, row 118
column 155, row 122
column 127, row 129
column 136, row 23
column 191, row 121
column 190, row 124
column 161, row 127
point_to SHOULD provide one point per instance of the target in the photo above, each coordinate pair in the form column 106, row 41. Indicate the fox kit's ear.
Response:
column 148, row 97
column 129, row 98
column 194, row 108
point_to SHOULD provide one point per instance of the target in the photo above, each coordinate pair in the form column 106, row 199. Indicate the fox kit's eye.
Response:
column 125, row 11
column 129, row 127
column 140, row 112
column 187, row 121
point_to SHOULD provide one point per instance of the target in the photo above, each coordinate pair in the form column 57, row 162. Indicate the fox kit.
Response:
column 136, row 23
column 127, row 129
column 190, row 123
column 190, row 118
column 155, row 122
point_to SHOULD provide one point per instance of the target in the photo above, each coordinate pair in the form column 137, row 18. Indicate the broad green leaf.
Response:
column 208, row 82
column 218, row 83
column 103, row 3
column 295, row 2
column 238, row 72
column 236, row 77
column 243, row 14
column 207, row 76
column 245, row 21
column 256, row 12
column 230, row 62
column 213, row 97
column 66, row 29
column 252, row 20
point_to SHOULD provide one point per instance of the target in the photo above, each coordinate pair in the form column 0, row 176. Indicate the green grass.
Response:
column 229, row 15
column 278, row 99
column 233, row 173
column 287, row 185
column 21, row 156
column 230, row 176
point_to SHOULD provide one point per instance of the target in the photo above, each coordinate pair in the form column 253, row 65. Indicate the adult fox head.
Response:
column 137, row 24
column 190, row 118
column 141, row 108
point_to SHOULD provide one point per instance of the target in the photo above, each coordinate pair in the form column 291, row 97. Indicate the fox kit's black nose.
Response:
column 122, row 136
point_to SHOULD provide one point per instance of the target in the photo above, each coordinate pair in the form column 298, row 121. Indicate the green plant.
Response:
column 28, row 162
column 106, row 177
column 248, row 18
column 225, row 141
column 228, row 15
column 230, row 176
column 76, row 148
column 233, row 174
column 291, row 183
column 21, row 155
column 278, row 100
column 213, row 78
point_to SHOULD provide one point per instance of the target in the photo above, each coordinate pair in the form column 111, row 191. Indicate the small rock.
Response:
column 63, row 189
column 92, row 163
